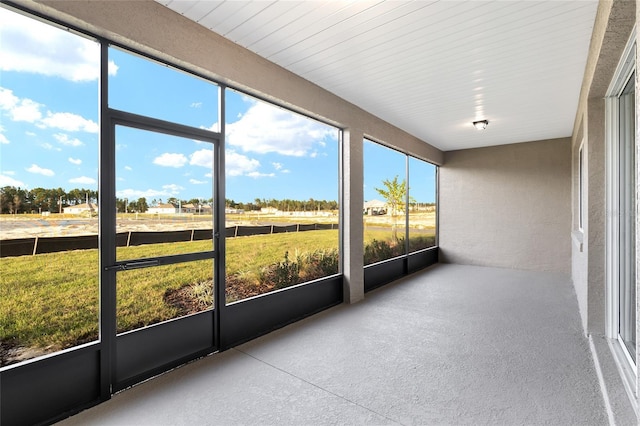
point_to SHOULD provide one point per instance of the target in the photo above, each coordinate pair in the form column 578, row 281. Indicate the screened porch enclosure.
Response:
column 277, row 212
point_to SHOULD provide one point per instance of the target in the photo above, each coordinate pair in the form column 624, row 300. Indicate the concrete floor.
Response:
column 452, row 345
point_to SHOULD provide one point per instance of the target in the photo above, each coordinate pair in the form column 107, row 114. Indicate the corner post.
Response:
column 352, row 202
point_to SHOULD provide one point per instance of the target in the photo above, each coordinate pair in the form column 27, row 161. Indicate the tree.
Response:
column 40, row 199
column 395, row 193
column 141, row 205
column 17, row 201
column 121, row 205
column 14, row 200
column 6, row 199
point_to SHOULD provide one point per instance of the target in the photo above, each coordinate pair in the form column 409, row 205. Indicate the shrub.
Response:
column 421, row 242
column 377, row 251
column 243, row 285
column 281, row 274
column 202, row 294
column 319, row 263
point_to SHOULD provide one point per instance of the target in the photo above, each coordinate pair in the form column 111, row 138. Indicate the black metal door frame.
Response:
column 131, row 357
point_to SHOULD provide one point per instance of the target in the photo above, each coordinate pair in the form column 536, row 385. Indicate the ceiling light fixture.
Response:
column 481, row 125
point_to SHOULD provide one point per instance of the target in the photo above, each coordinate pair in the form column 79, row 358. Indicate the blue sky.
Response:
column 49, row 128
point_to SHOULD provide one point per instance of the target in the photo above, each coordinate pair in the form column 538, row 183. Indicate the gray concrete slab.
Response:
column 451, row 345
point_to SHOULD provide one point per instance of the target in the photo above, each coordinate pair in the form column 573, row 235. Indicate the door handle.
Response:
column 132, row 265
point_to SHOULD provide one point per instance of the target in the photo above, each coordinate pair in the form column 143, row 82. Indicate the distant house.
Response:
column 268, row 210
column 229, row 210
column 81, row 208
column 374, row 208
column 195, row 208
column 188, row 208
column 163, row 208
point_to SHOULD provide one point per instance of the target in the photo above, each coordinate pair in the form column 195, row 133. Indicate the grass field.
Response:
column 51, row 301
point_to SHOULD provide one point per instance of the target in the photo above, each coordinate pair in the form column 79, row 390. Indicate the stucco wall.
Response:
column 612, row 27
column 508, row 206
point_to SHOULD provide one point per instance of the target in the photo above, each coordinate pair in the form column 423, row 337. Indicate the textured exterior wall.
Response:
column 613, row 25
column 508, row 206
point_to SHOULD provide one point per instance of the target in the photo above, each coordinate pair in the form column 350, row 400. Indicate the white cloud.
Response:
column 279, row 167
column 69, row 122
column 47, row 145
column 9, row 172
column 9, row 181
column 196, row 104
column 75, row 161
column 128, row 168
column 112, row 68
column 265, row 128
column 197, row 182
column 19, row 109
column 39, row 170
column 202, row 158
column 3, row 138
column 260, row 175
column 27, row 110
column 31, row 46
column 173, row 188
column 215, row 127
column 7, row 99
column 238, row 164
column 65, row 140
column 170, row 160
column 85, row 180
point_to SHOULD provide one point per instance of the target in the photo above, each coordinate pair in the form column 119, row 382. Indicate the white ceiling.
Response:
column 428, row 67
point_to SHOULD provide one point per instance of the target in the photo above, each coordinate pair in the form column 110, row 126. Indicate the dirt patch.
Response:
column 12, row 353
column 58, row 225
column 183, row 301
column 238, row 288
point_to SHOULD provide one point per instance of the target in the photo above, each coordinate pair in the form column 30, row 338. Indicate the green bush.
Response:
column 319, row 263
column 377, row 250
column 281, row 274
column 202, row 294
column 421, row 242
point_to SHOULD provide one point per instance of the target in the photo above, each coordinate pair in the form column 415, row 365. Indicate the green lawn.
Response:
column 51, row 301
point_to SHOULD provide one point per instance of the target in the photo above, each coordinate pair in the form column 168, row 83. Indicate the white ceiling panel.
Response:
column 230, row 15
column 268, row 33
column 180, row 6
column 428, row 67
